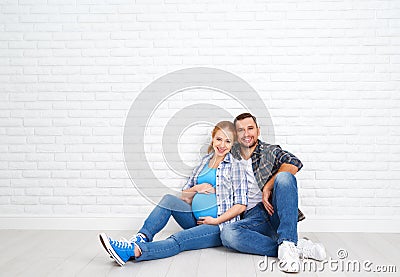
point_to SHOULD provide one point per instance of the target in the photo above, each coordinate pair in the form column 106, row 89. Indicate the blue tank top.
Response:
column 205, row 204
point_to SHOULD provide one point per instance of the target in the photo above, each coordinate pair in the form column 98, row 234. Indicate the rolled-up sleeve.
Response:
column 286, row 157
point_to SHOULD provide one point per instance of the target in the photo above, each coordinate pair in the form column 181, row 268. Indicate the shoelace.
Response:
column 306, row 253
column 123, row 243
column 293, row 250
column 288, row 261
column 135, row 238
column 306, row 250
column 132, row 243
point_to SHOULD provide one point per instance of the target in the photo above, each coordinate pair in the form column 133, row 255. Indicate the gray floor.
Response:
column 78, row 253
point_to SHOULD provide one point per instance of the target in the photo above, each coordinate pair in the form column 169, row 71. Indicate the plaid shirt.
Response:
column 266, row 161
column 231, row 184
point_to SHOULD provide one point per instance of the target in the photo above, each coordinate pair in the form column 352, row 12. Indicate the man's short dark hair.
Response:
column 243, row 116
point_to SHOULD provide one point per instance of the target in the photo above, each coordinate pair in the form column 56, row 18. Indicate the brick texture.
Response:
column 328, row 72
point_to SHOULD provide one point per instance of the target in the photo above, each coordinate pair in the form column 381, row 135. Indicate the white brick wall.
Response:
column 328, row 71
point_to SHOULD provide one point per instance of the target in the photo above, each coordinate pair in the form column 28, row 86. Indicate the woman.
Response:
column 215, row 195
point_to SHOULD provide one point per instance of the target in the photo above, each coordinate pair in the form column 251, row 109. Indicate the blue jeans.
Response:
column 192, row 237
column 258, row 232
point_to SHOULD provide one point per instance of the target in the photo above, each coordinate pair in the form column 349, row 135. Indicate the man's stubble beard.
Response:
column 247, row 149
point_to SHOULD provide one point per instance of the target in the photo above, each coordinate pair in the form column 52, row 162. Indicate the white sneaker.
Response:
column 288, row 256
column 311, row 250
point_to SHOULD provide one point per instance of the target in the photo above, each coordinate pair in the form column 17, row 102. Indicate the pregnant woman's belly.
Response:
column 204, row 205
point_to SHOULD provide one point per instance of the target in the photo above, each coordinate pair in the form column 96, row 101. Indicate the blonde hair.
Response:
column 225, row 126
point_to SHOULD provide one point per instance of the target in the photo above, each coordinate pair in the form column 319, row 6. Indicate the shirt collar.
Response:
column 227, row 159
column 259, row 148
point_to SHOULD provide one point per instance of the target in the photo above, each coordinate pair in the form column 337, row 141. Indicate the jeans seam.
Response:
column 204, row 235
column 156, row 251
column 177, row 241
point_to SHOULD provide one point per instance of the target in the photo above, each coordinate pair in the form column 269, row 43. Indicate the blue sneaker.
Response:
column 121, row 251
column 103, row 243
column 139, row 238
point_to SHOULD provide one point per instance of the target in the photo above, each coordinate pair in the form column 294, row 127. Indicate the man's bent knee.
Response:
column 285, row 179
column 229, row 236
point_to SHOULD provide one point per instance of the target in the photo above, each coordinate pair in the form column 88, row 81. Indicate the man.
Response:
column 269, row 225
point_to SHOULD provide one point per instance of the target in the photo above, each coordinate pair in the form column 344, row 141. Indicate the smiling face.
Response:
column 247, row 132
column 222, row 142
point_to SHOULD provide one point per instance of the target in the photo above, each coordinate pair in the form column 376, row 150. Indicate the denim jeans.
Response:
column 192, row 237
column 258, row 232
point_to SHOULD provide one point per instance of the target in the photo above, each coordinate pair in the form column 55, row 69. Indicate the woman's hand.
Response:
column 207, row 220
column 205, row 188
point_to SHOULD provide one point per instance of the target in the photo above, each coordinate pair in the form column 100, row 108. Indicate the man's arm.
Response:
column 267, row 189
